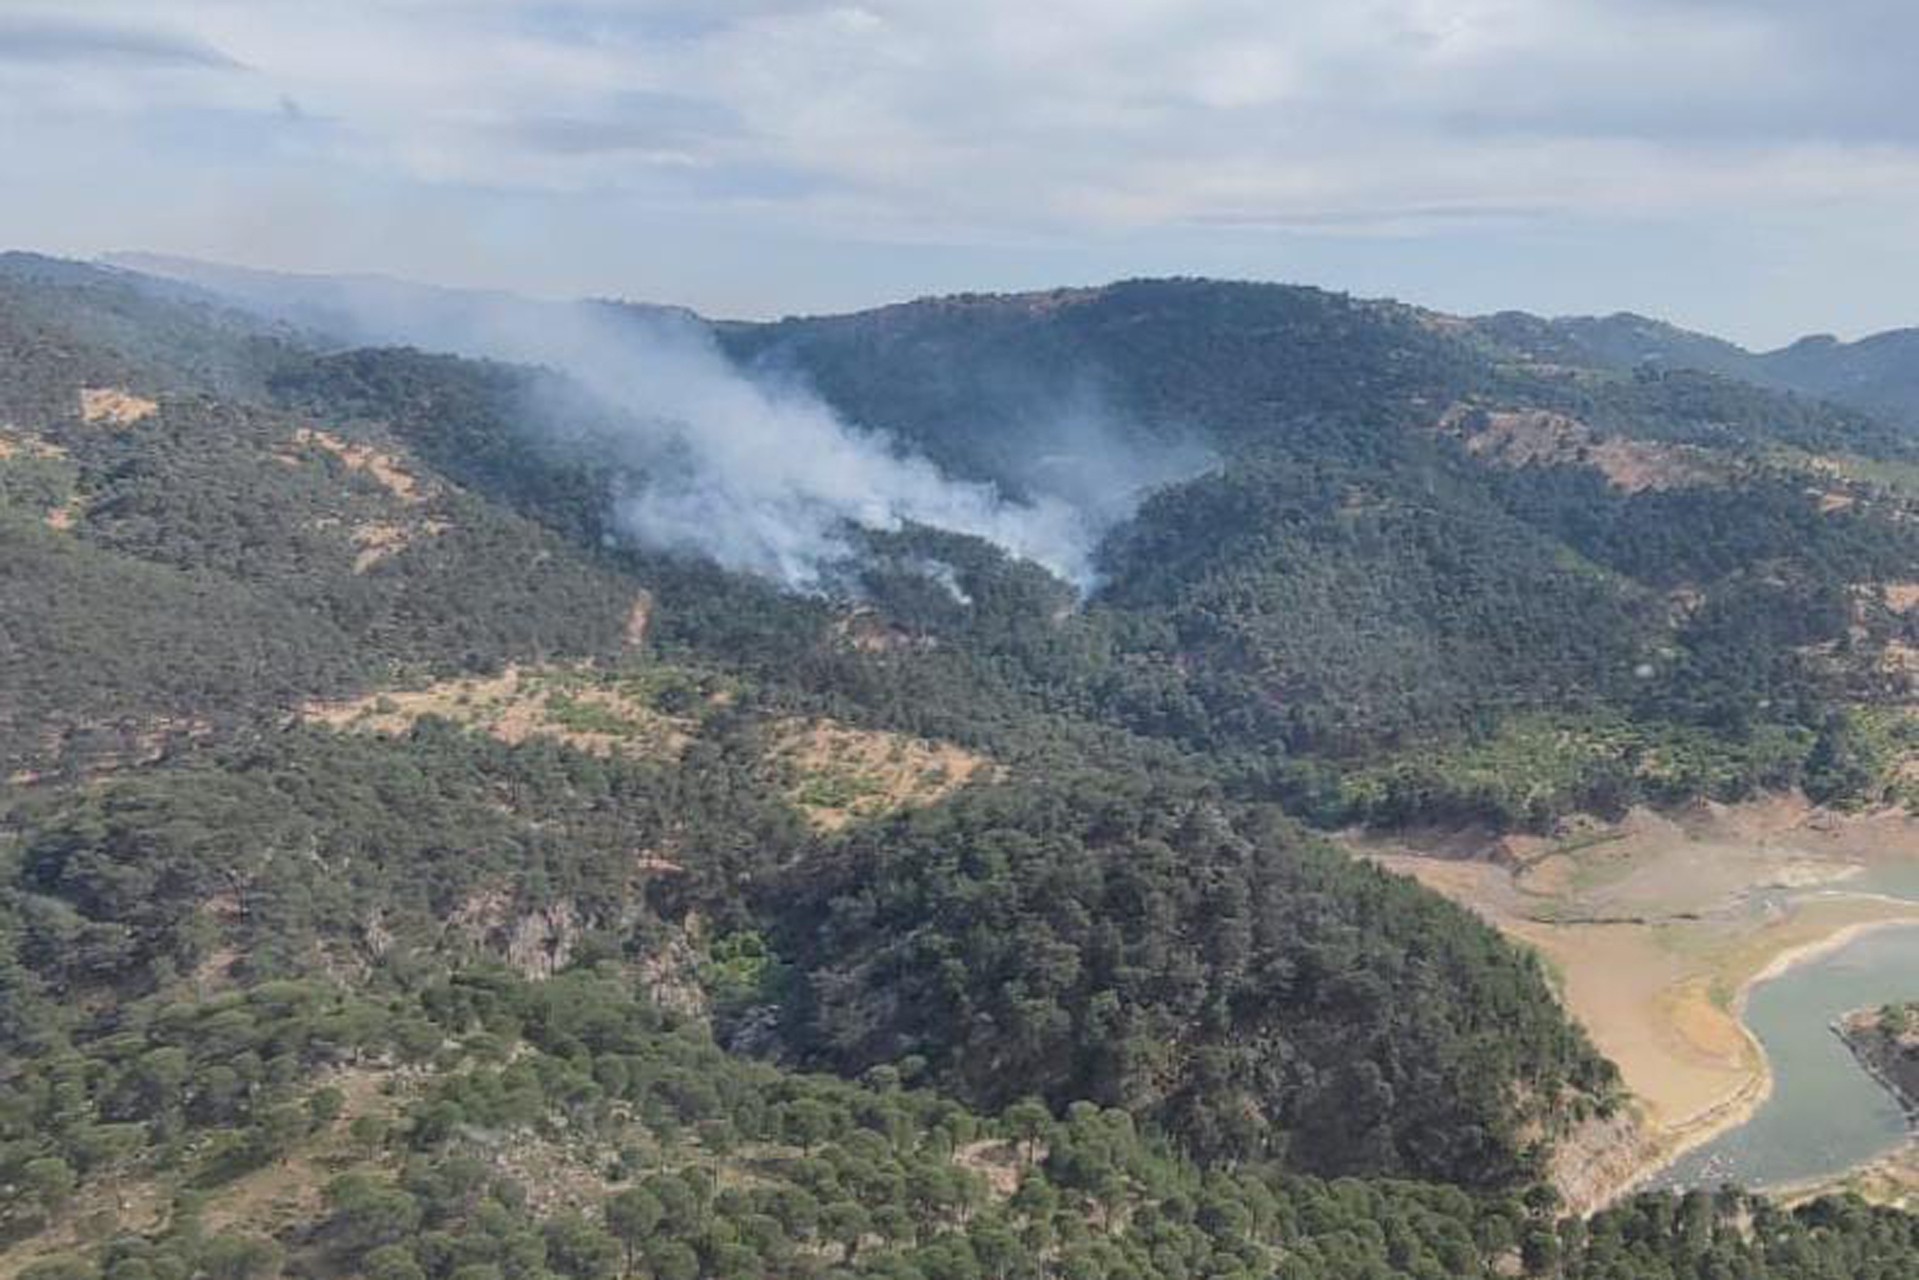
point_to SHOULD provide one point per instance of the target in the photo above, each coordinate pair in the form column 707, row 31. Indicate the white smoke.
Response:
column 759, row 475
column 767, row 478
column 946, row 576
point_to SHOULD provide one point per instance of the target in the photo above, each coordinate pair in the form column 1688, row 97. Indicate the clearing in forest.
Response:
column 839, row 773
column 15, row 443
column 1540, row 437
column 383, row 467
column 111, row 407
column 598, row 713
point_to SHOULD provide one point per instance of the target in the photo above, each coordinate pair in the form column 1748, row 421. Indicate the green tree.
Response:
column 845, row 1223
column 324, row 1106
column 392, row 1262
column 672, row 1260
column 576, row 1247
column 806, row 1122
column 1029, row 1120
column 50, row 1181
column 632, row 1216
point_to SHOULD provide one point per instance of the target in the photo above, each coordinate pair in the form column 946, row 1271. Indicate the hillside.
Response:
column 409, row 868
column 1877, row 374
column 1407, row 538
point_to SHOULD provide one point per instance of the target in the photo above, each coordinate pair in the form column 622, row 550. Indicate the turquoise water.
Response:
column 1825, row 1114
column 1894, row 879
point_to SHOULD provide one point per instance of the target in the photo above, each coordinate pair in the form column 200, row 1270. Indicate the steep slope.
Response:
column 1414, row 528
column 404, row 873
column 181, row 553
column 997, row 385
column 1198, row 964
column 60, row 319
column 1365, row 527
column 1619, row 341
column 358, row 690
column 492, row 1126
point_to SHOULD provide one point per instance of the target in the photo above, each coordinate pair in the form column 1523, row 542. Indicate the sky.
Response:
column 1749, row 167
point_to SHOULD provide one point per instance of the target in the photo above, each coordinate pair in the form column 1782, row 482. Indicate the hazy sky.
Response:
column 1750, row 166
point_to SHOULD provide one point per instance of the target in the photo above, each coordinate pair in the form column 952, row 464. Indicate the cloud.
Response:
column 1005, row 117
column 1011, row 127
column 635, row 123
column 54, row 40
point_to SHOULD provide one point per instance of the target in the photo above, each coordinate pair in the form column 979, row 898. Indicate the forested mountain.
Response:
column 1409, row 534
column 408, row 869
column 1878, row 373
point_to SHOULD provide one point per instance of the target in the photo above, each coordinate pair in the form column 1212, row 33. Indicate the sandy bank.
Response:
column 1657, row 928
column 1837, row 941
column 1893, row 1179
column 1738, row 1109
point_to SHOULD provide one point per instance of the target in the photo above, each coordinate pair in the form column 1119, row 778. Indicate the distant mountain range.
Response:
column 1879, row 374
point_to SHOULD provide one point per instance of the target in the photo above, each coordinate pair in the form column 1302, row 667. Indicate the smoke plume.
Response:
column 759, row 474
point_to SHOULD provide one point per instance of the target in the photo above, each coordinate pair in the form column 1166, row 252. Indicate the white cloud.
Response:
column 1008, row 122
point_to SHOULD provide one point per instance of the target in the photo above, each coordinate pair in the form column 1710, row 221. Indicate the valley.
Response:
column 878, row 795
column 1827, row 1117
column 1659, row 927
column 803, row 640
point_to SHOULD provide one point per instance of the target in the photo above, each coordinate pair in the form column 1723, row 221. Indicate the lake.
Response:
column 1825, row 1114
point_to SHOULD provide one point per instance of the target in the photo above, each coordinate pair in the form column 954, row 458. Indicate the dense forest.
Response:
column 405, row 873
column 486, row 1126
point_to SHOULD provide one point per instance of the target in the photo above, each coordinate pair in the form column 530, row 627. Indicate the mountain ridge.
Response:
column 1874, row 373
column 356, row 742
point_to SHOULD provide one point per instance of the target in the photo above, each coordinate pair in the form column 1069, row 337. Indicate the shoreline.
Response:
column 1896, row 1174
column 1908, row 1102
column 1838, row 940
column 1740, row 1107
column 1656, row 927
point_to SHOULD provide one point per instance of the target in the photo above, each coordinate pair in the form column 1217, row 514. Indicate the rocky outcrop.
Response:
column 541, row 942
column 537, row 942
column 638, row 618
column 670, row 973
column 1602, row 1159
column 1886, row 1042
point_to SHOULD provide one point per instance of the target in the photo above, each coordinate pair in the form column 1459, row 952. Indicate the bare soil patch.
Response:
column 569, row 705
column 112, row 407
column 376, row 540
column 15, row 443
column 383, row 467
column 868, row 631
column 1000, row 1163
column 62, row 518
column 1892, row 1180
column 1539, row 437
column 288, row 1191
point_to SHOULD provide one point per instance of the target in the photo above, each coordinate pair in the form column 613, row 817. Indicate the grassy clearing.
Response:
column 602, row 714
column 837, row 773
